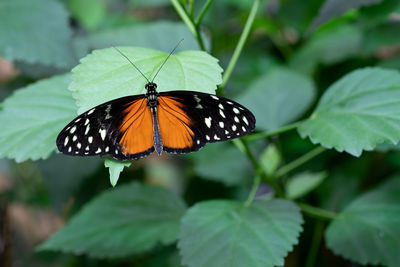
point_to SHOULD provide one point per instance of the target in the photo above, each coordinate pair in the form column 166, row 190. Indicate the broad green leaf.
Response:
column 32, row 118
column 63, row 175
column 357, row 112
column 278, row 97
column 380, row 37
column 219, row 162
column 125, row 220
column 115, row 168
column 105, row 74
column 162, row 35
column 270, row 159
column 367, row 231
column 88, row 12
column 330, row 46
column 35, row 31
column 301, row 184
column 224, row 233
column 335, row 8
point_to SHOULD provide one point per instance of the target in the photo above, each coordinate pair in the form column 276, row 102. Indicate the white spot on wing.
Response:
column 72, row 129
column 78, row 145
column 87, row 129
column 98, row 150
column 74, row 138
column 214, row 97
column 107, row 149
column 102, row 133
column 86, row 122
column 207, row 137
column 198, row 142
column 69, row 149
column 236, row 119
column 236, row 110
column 226, row 132
column 208, row 122
column 77, row 120
column 90, row 139
column 220, row 106
column 221, row 124
column 199, row 106
column 234, row 127
column 108, row 112
column 91, row 111
column 245, row 120
column 196, row 98
column 216, row 137
column 87, row 148
column 229, row 102
column 66, row 141
column 222, row 113
column 244, row 128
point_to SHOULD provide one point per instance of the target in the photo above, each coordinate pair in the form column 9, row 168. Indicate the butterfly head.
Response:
column 150, row 87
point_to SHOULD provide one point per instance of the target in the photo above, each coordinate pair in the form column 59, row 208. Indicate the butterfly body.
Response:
column 133, row 127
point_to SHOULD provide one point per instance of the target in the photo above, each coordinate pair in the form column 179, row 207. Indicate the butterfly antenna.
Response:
column 130, row 62
column 167, row 59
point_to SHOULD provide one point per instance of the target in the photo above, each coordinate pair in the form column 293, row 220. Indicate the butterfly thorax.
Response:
column 152, row 96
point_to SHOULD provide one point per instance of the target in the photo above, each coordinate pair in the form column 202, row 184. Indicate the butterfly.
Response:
column 134, row 126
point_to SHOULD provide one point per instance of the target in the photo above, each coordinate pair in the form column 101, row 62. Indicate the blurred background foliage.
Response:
column 296, row 49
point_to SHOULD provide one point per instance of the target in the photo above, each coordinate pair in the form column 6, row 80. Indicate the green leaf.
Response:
column 149, row 3
column 335, row 8
column 88, row 12
column 35, row 31
column 219, row 162
column 357, row 112
column 367, row 231
column 270, row 159
column 32, row 118
column 380, row 37
column 303, row 183
column 161, row 35
column 279, row 88
column 105, row 74
column 226, row 233
column 330, row 46
column 115, row 168
column 125, row 220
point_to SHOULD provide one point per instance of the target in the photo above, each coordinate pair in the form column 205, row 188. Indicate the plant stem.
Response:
column 240, row 44
column 317, row 212
column 253, row 191
column 184, row 16
column 203, row 12
column 315, row 243
column 260, row 175
column 194, row 29
column 299, row 161
column 283, row 129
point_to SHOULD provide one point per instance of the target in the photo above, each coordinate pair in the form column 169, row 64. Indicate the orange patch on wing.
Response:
column 136, row 128
column 174, row 123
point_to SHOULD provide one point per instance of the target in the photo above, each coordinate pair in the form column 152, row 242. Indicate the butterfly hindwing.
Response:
column 108, row 129
column 195, row 119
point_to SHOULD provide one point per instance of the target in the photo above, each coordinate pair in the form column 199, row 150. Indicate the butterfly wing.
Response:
column 188, row 120
column 121, row 128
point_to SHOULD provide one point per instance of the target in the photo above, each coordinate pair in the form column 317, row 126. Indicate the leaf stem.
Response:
column 283, row 129
column 240, row 44
column 299, row 161
column 184, row 16
column 260, row 175
column 317, row 212
column 315, row 243
column 203, row 12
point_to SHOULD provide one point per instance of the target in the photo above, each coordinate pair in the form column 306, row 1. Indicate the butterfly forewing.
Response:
column 201, row 118
column 106, row 129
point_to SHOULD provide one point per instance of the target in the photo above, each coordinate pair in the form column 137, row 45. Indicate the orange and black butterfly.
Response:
column 132, row 127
